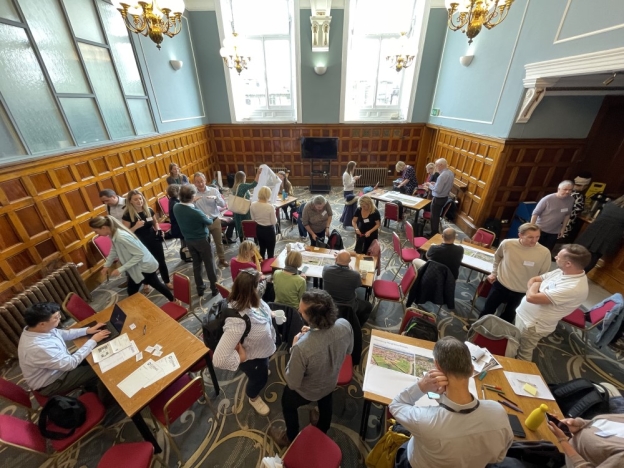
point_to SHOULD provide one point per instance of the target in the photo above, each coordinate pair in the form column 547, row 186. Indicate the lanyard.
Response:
column 463, row 411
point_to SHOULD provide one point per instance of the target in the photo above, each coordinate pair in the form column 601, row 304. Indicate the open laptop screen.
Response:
column 118, row 318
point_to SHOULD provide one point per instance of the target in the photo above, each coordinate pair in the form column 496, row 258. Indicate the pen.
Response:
column 509, row 405
column 144, row 329
column 503, row 396
column 493, row 386
column 483, row 392
column 500, row 392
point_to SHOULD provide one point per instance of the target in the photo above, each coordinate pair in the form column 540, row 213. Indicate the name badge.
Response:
column 148, row 219
column 564, row 210
column 365, row 220
column 324, row 213
column 527, row 263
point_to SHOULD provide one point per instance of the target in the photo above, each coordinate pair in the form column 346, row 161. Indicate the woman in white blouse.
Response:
column 252, row 355
column 263, row 213
column 348, row 179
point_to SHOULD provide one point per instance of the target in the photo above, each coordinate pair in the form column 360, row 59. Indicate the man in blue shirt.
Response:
column 440, row 191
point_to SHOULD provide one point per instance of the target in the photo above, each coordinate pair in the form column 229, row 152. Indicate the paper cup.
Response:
column 280, row 316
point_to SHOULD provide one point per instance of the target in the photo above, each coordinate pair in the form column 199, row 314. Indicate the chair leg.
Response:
column 390, row 259
column 213, row 375
column 375, row 306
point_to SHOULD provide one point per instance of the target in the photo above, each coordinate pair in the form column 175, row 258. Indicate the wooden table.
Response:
column 161, row 329
column 279, row 205
column 409, row 202
column 494, row 377
column 437, row 239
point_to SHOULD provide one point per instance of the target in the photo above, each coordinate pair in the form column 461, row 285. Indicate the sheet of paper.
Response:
column 132, row 326
column 482, row 359
column 609, row 428
column 136, row 380
column 477, row 259
column 139, row 356
column 517, row 381
column 157, row 347
column 267, row 178
column 157, row 352
column 117, row 358
column 149, row 349
column 114, row 346
column 405, row 199
column 167, row 365
column 367, row 265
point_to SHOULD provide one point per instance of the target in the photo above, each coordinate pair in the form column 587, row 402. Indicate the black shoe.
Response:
column 214, row 292
column 201, row 290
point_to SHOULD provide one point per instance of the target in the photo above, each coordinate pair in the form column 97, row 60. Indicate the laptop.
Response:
column 114, row 325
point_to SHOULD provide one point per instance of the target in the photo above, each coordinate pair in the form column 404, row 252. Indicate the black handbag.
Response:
column 64, row 412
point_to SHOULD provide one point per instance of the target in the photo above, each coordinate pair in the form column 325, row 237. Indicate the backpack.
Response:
column 185, row 255
column 335, row 240
column 62, row 411
column 422, row 328
column 579, row 398
column 212, row 325
column 494, row 225
column 536, row 453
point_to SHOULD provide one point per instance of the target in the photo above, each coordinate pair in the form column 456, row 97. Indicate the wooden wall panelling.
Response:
column 245, row 147
column 45, row 204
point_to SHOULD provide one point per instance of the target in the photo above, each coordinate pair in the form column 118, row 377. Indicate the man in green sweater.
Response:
column 194, row 226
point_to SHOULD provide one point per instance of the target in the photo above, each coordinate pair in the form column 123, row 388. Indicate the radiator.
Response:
column 276, row 169
column 370, row 176
column 52, row 288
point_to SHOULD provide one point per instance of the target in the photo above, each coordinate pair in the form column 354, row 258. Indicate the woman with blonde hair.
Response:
column 348, row 179
column 139, row 219
column 241, row 189
column 288, row 283
column 366, row 222
column 407, row 183
column 248, row 257
column 263, row 213
column 175, row 176
column 250, row 354
column 135, row 259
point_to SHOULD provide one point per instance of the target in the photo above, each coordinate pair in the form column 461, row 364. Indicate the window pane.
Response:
column 104, row 80
column 278, row 73
column 251, row 84
column 84, row 120
column 84, row 20
column 394, row 17
column 51, row 34
column 8, row 11
column 363, row 71
column 256, row 18
column 141, row 116
column 389, row 80
column 123, row 54
column 10, row 144
column 27, row 94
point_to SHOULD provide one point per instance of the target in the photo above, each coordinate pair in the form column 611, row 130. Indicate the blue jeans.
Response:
column 257, row 372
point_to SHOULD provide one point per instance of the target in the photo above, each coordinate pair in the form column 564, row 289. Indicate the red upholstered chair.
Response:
column 346, row 371
column 249, row 230
column 493, row 346
column 416, row 242
column 135, row 455
column 225, row 292
column 312, row 449
column 163, row 202
column 413, row 312
column 484, row 238
column 165, row 228
column 103, row 244
column 405, row 254
column 16, row 395
column 76, row 307
column 483, row 290
column 181, row 292
column 174, row 401
column 585, row 321
column 265, row 266
column 25, row 434
column 391, row 213
column 385, row 290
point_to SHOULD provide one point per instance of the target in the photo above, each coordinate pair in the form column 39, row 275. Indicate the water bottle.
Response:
column 284, row 195
column 536, row 418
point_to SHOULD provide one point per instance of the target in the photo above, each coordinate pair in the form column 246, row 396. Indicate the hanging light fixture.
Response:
column 471, row 15
column 402, row 55
column 153, row 19
column 234, row 48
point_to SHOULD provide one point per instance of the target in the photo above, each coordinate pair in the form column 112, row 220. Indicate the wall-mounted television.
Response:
column 319, row 148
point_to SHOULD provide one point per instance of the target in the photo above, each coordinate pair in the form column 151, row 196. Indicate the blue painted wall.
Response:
column 175, row 95
column 484, row 98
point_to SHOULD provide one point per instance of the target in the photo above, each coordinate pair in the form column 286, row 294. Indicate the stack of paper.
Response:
column 117, row 358
column 151, row 371
column 367, row 266
column 529, row 385
column 114, row 346
column 482, row 359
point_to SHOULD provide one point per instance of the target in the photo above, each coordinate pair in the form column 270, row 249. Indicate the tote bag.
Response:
column 238, row 205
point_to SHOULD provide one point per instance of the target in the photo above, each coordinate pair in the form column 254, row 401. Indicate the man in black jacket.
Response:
column 447, row 253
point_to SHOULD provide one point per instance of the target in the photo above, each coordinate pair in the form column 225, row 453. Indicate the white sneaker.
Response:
column 260, row 406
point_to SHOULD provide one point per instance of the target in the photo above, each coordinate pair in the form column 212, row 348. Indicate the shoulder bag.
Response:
column 238, row 205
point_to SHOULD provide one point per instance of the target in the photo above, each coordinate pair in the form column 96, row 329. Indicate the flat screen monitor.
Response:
column 319, row 148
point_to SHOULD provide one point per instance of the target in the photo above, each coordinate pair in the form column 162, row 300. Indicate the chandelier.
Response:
column 233, row 53
column 472, row 15
column 153, row 19
column 402, row 53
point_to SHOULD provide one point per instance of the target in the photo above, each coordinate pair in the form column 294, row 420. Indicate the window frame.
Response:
column 272, row 114
column 385, row 114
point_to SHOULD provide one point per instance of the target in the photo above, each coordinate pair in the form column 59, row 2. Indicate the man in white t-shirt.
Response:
column 551, row 297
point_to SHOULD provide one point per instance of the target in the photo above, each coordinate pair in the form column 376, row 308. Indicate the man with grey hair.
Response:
column 552, row 214
column 447, row 253
column 461, row 431
column 209, row 200
column 440, row 190
column 316, row 219
column 194, row 225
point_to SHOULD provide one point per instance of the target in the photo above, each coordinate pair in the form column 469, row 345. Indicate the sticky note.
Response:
column 132, row 326
column 157, row 353
column 149, row 349
column 530, row 389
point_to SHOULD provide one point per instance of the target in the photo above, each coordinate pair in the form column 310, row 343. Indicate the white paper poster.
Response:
column 267, row 178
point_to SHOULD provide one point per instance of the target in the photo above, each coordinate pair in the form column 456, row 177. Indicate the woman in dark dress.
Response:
column 139, row 218
column 366, row 222
column 604, row 235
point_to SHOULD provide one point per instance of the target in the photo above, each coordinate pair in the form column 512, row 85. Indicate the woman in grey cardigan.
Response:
column 135, row 259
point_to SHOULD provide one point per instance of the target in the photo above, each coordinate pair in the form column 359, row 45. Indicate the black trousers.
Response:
column 499, row 294
column 257, row 372
column 548, row 240
column 153, row 281
column 201, row 252
column 155, row 247
column 291, row 401
column 401, row 461
column 362, row 243
column 436, row 211
column 266, row 240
